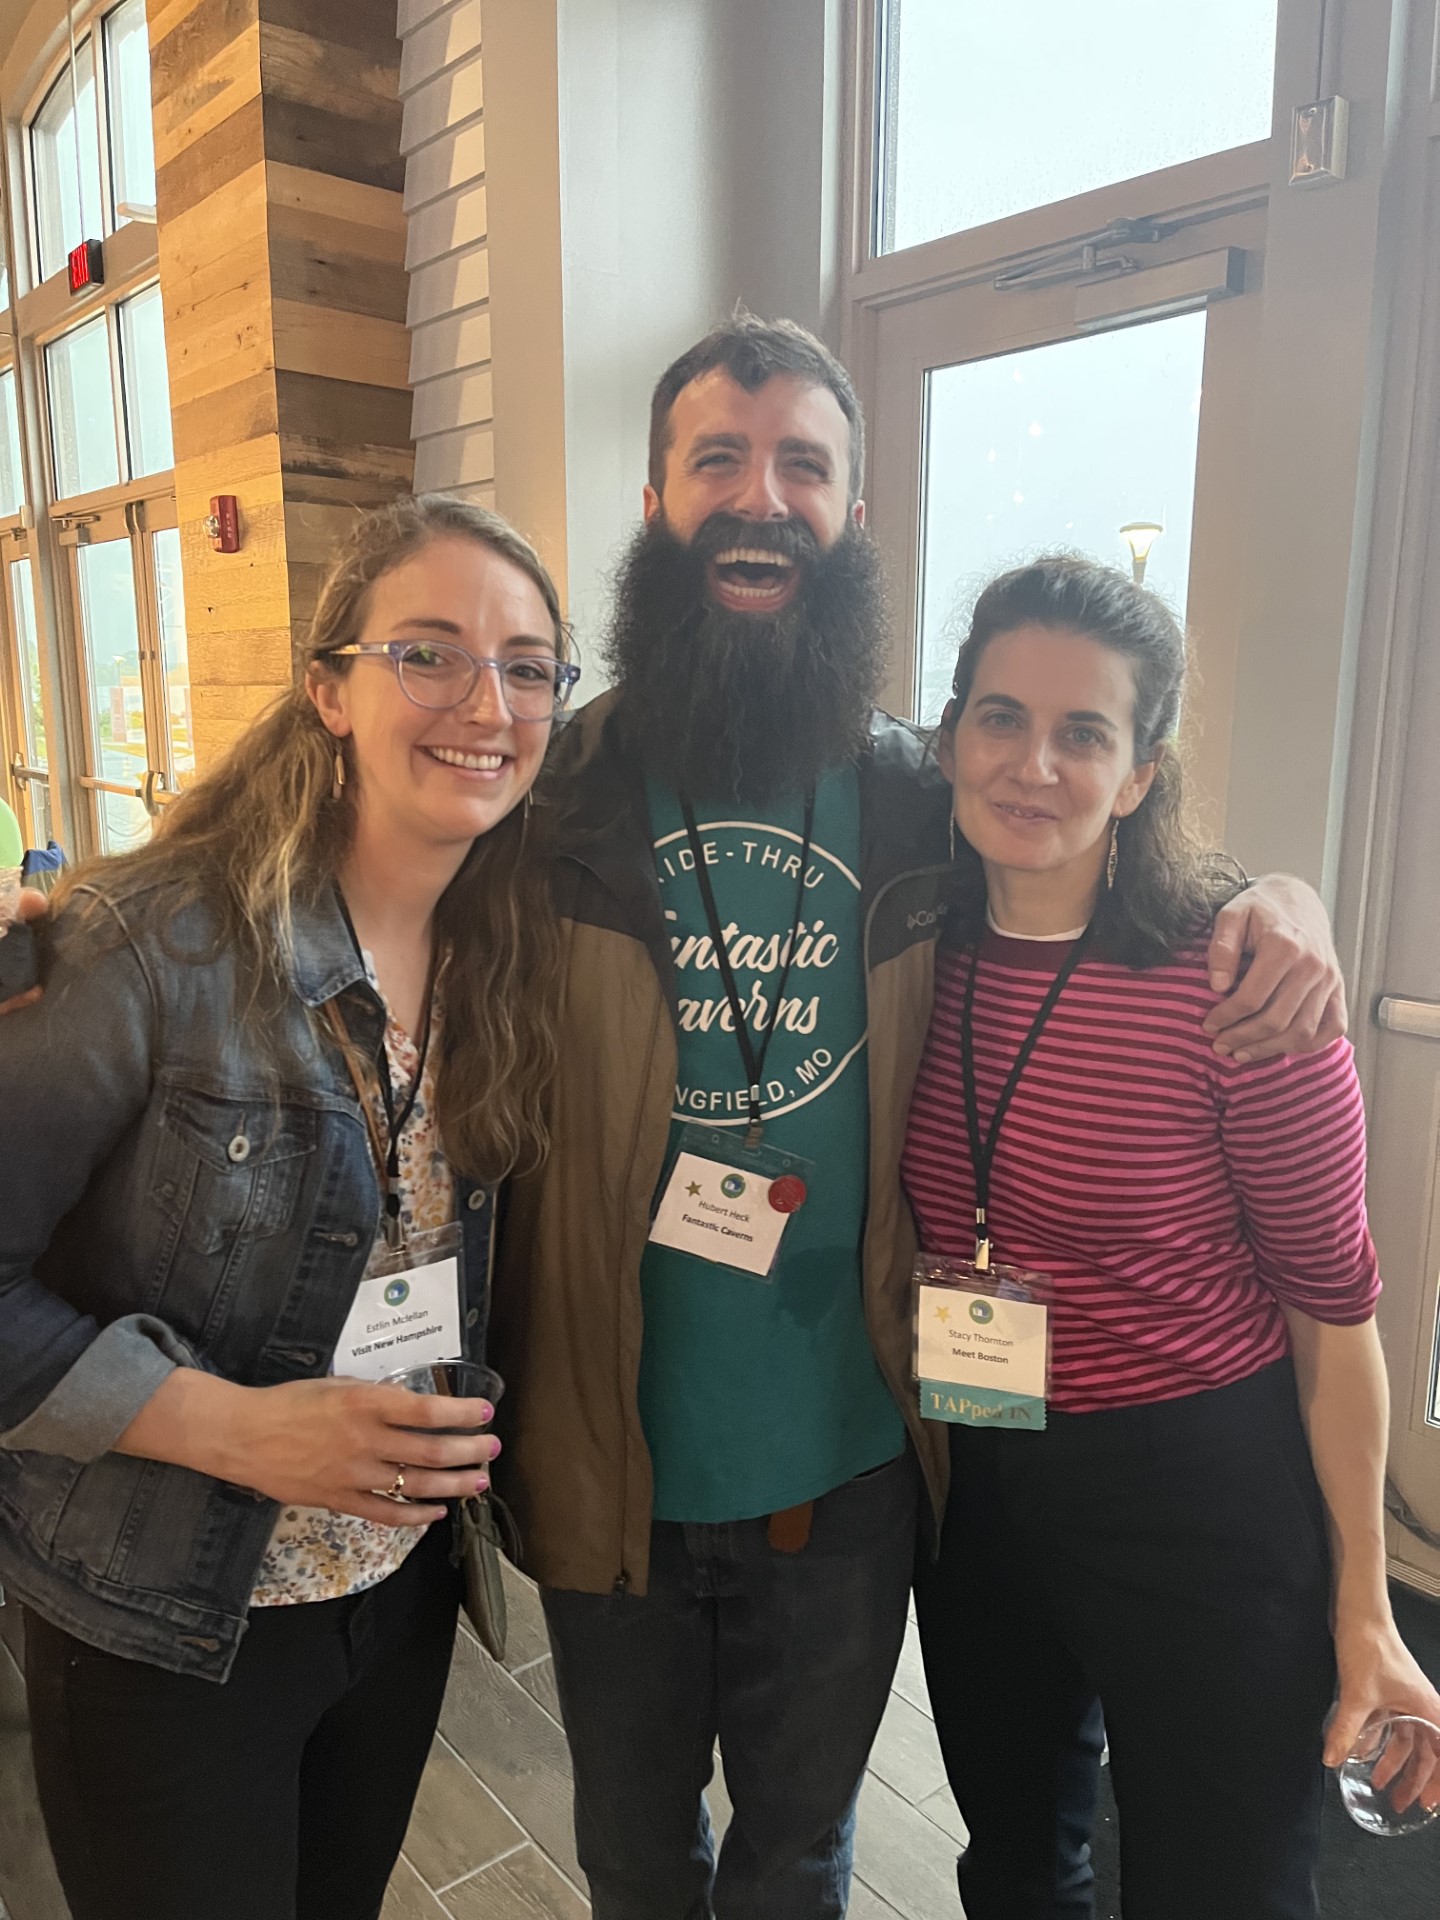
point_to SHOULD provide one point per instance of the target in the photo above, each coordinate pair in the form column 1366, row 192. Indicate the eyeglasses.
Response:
column 435, row 674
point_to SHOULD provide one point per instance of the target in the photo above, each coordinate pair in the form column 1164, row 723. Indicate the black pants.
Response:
column 1172, row 1560
column 283, row 1794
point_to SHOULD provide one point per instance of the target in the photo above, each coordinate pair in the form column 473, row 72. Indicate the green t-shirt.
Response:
column 757, row 1394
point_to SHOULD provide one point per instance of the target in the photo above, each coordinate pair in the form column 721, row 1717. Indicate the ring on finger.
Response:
column 396, row 1489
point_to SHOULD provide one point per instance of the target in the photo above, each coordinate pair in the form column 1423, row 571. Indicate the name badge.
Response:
column 408, row 1314
column 727, row 1203
column 982, row 1345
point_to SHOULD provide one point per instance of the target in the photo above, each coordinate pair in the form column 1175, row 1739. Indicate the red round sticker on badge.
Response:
column 787, row 1194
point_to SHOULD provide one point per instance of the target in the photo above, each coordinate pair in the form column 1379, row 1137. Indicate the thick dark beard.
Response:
column 743, row 706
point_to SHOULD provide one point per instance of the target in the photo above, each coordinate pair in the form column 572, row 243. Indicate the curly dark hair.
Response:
column 1168, row 886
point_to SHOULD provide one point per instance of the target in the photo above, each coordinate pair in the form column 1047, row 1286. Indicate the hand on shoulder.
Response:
column 1290, row 998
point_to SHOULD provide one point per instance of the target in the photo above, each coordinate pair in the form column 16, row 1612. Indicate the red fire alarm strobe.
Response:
column 87, row 266
column 222, row 523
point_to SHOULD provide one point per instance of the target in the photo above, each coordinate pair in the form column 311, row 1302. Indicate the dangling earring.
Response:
column 337, row 785
column 1114, row 857
column 952, row 839
column 525, row 816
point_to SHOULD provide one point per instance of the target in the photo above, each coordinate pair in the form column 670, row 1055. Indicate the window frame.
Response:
column 910, row 292
column 105, row 15
column 874, row 118
column 89, row 25
column 43, row 311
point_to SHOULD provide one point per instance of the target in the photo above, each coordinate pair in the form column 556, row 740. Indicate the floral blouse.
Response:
column 315, row 1554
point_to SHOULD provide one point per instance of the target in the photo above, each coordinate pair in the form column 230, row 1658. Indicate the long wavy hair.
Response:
column 1167, row 885
column 266, row 832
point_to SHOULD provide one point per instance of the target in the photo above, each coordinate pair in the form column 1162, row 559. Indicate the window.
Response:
column 79, row 192
column 104, row 604
column 79, row 372
column 65, row 156
column 1071, row 361
column 132, row 140
column 174, row 655
column 989, row 110
column 147, row 384
column 12, row 478
column 1056, row 446
column 82, row 409
column 27, row 648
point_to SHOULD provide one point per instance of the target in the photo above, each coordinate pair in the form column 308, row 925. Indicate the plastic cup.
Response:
column 1390, row 1779
column 462, row 1379
column 459, row 1379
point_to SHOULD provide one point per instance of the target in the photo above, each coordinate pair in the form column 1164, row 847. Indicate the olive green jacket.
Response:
column 566, row 1317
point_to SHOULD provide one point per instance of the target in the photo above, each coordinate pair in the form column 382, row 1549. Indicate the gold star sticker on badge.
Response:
column 942, row 1313
column 693, row 1189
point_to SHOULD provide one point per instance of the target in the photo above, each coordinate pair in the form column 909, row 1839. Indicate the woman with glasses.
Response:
column 246, row 1152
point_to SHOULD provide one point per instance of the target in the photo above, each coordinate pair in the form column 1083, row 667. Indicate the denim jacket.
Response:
column 164, row 1203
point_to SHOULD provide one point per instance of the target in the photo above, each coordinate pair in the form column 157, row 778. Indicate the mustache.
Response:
column 786, row 539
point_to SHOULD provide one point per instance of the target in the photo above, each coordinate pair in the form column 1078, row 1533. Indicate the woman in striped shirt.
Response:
column 1208, row 1485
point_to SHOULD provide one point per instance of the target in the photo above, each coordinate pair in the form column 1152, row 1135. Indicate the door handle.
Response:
column 1418, row 1017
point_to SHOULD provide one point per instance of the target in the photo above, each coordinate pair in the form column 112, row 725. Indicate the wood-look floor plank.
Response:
column 28, row 1883
column 941, row 1808
column 904, row 1857
column 523, row 1886
column 717, row 1798
column 910, row 1674
column 866, row 1904
column 508, row 1739
column 408, row 1898
column 538, row 1679
column 457, row 1826
column 527, row 1638
column 906, row 1754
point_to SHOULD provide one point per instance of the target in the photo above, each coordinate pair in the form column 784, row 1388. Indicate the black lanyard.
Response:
column 754, row 1063
column 395, row 1124
column 982, row 1151
column 387, row 1164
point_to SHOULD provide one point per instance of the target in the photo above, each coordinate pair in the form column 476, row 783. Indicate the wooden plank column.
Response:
column 281, row 234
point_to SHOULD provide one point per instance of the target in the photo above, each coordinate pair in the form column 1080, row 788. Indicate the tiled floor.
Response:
column 490, row 1838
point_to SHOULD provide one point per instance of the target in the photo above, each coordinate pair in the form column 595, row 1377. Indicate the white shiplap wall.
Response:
column 443, row 140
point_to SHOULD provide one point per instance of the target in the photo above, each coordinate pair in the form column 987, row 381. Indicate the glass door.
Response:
column 1399, row 988
column 1055, row 318
column 171, row 680
column 1062, row 445
column 1041, row 409
column 30, row 756
column 117, row 753
column 130, row 616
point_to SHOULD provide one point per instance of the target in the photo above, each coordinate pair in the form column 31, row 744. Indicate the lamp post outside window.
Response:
column 1140, row 536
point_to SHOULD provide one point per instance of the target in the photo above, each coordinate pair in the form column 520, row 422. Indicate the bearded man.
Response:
column 712, row 1437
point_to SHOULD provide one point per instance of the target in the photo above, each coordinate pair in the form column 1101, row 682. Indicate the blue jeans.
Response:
column 787, row 1658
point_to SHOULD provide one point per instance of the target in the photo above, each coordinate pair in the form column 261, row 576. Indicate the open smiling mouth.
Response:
column 1023, row 816
column 753, row 579
column 489, row 765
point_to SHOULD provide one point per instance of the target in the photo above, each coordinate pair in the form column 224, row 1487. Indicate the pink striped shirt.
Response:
column 1174, row 1200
